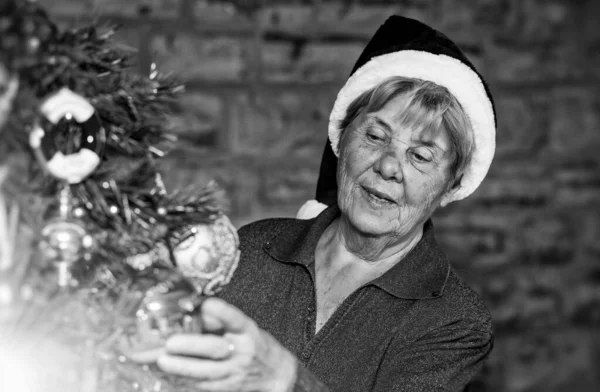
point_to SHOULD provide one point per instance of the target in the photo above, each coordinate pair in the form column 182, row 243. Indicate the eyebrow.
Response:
column 429, row 143
column 381, row 123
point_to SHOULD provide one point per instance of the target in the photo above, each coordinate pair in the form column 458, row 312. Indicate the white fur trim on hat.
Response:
column 445, row 71
column 310, row 209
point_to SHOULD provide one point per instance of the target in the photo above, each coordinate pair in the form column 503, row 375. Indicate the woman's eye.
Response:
column 421, row 158
column 374, row 136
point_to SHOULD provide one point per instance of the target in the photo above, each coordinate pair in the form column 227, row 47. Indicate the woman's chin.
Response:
column 373, row 223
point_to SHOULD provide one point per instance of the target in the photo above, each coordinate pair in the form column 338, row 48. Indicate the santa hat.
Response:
column 409, row 48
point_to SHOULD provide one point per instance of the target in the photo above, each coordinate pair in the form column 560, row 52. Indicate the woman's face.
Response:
column 391, row 178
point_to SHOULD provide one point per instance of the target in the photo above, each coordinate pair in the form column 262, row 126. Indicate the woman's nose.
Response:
column 389, row 167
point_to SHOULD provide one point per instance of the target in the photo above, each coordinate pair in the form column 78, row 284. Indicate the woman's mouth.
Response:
column 377, row 197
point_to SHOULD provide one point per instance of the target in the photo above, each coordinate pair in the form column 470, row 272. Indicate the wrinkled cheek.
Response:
column 344, row 191
column 346, row 177
column 344, row 187
column 424, row 196
column 435, row 190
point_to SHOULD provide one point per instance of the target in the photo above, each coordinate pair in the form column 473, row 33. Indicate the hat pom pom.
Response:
column 310, row 209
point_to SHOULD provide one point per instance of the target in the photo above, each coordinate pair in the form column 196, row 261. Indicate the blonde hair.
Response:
column 428, row 106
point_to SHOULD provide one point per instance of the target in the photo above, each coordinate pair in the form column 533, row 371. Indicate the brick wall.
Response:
column 262, row 78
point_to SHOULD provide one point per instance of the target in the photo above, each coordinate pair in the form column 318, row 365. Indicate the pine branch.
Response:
column 123, row 201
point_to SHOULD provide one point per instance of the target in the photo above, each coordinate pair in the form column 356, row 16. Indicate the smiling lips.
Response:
column 379, row 195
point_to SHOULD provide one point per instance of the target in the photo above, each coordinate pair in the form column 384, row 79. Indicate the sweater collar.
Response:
column 422, row 274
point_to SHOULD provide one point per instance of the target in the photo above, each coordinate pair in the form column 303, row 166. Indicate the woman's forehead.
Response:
column 418, row 123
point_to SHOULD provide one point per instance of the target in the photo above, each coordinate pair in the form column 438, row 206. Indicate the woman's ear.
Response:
column 449, row 195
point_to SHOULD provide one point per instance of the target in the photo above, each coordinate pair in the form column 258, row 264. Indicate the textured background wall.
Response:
column 261, row 79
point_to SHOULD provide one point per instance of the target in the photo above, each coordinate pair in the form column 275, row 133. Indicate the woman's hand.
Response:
column 242, row 357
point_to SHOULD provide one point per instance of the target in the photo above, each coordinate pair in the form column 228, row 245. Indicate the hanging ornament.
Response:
column 65, row 242
column 209, row 256
column 75, row 112
column 163, row 303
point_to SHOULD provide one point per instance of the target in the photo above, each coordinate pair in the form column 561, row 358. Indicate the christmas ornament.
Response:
column 65, row 241
column 209, row 256
column 78, row 115
column 162, row 302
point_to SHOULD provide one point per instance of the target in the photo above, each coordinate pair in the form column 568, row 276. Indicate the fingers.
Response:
column 221, row 385
column 203, row 346
column 202, row 369
column 228, row 316
column 144, row 356
column 211, row 324
column 209, row 357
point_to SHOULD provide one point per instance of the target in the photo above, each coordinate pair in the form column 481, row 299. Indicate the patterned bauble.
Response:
column 209, row 256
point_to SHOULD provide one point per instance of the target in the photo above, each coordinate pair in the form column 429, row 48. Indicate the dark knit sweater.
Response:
column 417, row 327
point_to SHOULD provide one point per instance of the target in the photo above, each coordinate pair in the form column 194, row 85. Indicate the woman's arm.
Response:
column 239, row 357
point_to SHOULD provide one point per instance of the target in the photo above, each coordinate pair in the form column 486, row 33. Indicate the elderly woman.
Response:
column 361, row 298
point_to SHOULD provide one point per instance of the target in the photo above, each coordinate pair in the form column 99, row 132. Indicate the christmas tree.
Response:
column 90, row 240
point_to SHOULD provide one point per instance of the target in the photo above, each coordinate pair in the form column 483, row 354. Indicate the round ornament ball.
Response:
column 209, row 256
column 162, row 303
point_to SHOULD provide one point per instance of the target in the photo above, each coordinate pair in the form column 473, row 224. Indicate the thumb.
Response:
column 229, row 318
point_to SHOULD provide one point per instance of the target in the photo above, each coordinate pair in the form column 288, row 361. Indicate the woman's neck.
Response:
column 346, row 243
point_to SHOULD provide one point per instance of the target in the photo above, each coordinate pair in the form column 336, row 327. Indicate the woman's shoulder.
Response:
column 463, row 303
column 458, row 307
column 263, row 230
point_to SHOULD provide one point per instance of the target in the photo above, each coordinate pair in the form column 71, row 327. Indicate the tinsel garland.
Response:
column 124, row 200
